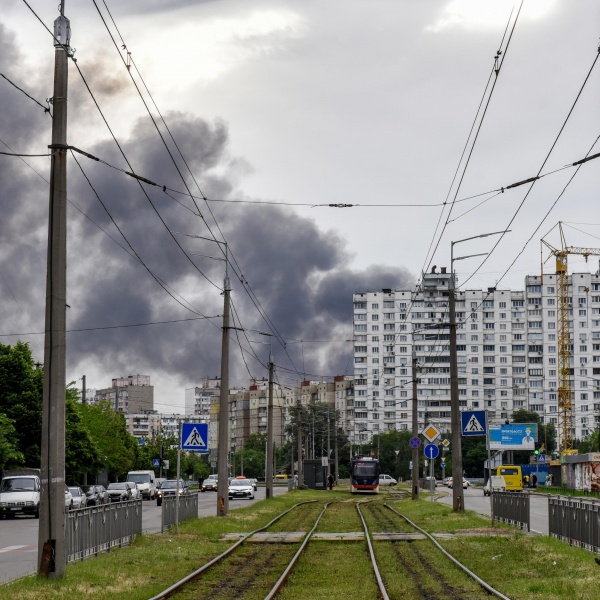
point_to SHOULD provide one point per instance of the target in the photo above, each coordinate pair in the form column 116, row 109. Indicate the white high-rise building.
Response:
column 506, row 346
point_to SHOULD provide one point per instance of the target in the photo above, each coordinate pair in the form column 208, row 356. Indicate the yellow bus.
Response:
column 512, row 477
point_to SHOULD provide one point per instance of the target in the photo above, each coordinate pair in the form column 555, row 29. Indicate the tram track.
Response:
column 423, row 574
column 251, row 569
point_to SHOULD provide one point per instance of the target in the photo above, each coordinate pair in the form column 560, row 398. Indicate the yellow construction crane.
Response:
column 564, row 308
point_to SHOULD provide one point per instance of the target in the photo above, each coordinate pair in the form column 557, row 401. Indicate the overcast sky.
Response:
column 281, row 108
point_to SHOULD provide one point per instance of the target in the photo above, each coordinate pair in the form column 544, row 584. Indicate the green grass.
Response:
column 519, row 565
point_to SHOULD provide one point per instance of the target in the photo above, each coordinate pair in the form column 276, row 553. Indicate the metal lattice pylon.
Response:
column 564, row 308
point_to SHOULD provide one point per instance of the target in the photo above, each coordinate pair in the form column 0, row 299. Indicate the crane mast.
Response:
column 565, row 341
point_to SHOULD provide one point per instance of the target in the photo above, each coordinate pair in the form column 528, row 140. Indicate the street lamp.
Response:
column 458, row 503
column 222, row 463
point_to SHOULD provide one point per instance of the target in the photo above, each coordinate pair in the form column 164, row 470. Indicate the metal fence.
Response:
column 96, row 529
column 188, row 509
column 512, row 508
column 575, row 521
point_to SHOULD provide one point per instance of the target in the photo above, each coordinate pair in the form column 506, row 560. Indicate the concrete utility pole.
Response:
column 415, row 429
column 300, row 464
column 222, row 466
column 51, row 536
column 269, row 473
column 458, row 501
column 83, row 391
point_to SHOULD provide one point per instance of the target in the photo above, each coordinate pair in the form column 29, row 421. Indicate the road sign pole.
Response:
column 431, row 480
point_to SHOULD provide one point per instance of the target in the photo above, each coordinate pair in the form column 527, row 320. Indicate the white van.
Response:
column 145, row 481
column 20, row 494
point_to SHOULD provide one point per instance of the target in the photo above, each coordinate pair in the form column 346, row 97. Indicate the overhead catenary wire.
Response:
column 534, row 180
column 46, row 109
column 107, row 327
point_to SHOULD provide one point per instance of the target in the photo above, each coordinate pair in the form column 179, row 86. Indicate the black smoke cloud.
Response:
column 300, row 275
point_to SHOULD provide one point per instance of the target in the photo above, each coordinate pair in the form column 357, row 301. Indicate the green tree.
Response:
column 115, row 446
column 21, row 385
column 81, row 453
column 256, row 441
column 10, row 457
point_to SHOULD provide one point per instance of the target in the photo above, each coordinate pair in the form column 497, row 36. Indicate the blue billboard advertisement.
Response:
column 515, row 436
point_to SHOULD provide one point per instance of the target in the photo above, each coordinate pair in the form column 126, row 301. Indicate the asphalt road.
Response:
column 475, row 500
column 19, row 536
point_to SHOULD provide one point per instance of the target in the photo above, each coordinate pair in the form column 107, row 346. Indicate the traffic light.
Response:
column 536, row 452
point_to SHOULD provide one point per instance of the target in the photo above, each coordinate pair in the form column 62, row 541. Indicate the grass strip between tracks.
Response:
column 521, row 566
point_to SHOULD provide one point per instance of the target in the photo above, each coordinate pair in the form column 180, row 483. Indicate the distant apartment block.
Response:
column 132, row 394
column 198, row 399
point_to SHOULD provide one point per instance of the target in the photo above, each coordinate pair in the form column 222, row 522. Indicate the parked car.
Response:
column 209, row 485
column 136, row 493
column 119, row 492
column 281, row 476
column 91, row 495
column 241, row 488
column 103, row 494
column 68, row 498
column 78, row 496
column 385, row 479
column 169, row 488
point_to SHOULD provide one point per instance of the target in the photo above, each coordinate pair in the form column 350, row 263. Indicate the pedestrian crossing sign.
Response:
column 473, row 422
column 194, row 436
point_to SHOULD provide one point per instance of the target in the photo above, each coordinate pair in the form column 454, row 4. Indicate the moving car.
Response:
column 466, row 484
column 209, row 485
column 386, row 480
column 241, row 488
column 169, row 488
column 20, row 494
column 119, row 492
column 252, row 480
column 78, row 496
column 498, row 485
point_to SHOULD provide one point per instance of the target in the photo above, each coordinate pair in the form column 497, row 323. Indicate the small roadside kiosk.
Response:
column 581, row 471
column 315, row 473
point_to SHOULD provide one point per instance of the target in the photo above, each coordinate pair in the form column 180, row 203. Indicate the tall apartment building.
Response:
column 198, row 399
column 132, row 394
column 506, row 346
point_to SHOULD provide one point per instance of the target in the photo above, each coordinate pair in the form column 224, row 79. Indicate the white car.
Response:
column 387, row 480
column 241, row 488
column 136, row 493
column 466, row 484
column 78, row 497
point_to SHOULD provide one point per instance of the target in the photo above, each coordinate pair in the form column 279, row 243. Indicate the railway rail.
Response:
column 423, row 575
column 249, row 565
column 402, row 555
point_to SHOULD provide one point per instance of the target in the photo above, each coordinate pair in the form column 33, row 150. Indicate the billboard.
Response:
column 515, row 436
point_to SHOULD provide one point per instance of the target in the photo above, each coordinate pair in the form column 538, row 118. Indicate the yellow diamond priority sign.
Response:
column 431, row 432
